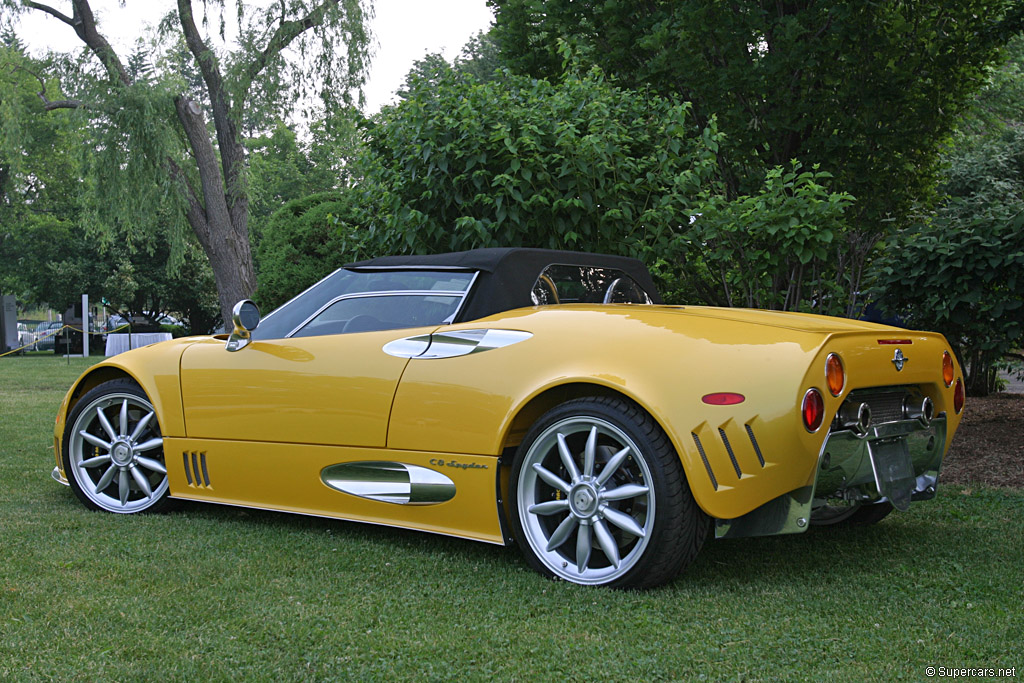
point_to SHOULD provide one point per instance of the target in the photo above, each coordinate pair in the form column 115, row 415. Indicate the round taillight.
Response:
column 835, row 376
column 813, row 409
column 958, row 397
column 947, row 368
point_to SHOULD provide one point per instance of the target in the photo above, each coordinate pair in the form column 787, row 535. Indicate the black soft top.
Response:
column 507, row 275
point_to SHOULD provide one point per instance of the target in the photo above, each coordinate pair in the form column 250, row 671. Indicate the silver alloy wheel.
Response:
column 116, row 456
column 584, row 480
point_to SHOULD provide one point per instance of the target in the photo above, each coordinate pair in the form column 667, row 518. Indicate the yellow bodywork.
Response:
column 269, row 418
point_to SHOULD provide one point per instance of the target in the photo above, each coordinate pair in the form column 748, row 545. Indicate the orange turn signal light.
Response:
column 835, row 375
column 947, row 368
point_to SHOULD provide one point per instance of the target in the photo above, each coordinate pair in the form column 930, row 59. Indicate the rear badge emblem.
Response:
column 899, row 360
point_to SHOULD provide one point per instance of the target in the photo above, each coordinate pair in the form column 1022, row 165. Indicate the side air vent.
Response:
column 704, row 457
column 753, row 442
column 195, row 468
column 732, row 456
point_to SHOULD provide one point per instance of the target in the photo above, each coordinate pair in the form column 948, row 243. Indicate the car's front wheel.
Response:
column 113, row 450
column 599, row 497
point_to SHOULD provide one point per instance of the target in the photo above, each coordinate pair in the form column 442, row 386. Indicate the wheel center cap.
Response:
column 122, row 454
column 583, row 500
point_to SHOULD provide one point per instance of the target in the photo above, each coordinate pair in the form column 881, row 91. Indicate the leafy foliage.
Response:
column 304, row 241
column 780, row 248
column 868, row 92
column 51, row 248
column 583, row 164
column 166, row 124
column 515, row 161
column 963, row 271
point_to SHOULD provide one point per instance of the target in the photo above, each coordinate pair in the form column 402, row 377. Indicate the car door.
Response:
column 334, row 389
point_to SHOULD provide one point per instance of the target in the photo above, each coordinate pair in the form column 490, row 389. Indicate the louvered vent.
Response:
column 195, row 468
column 732, row 456
column 704, row 457
column 753, row 442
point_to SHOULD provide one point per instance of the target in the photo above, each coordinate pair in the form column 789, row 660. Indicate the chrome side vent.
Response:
column 704, row 457
column 195, row 468
column 732, row 456
column 753, row 442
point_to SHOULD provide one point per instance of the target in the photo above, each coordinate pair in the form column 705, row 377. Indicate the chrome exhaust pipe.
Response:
column 923, row 412
column 855, row 417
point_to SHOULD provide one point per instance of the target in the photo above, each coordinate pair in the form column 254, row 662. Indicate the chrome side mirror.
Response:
column 245, row 317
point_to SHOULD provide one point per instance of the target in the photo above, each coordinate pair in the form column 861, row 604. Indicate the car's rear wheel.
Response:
column 850, row 515
column 599, row 497
column 113, row 450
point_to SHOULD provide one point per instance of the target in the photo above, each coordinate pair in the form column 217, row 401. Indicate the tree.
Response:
column 151, row 130
column 46, row 254
column 869, row 92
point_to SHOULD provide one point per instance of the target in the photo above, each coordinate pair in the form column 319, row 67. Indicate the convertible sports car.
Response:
column 525, row 396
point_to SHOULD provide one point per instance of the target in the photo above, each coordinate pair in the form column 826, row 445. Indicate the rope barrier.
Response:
column 55, row 333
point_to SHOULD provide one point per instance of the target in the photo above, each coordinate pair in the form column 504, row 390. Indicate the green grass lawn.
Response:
column 217, row 593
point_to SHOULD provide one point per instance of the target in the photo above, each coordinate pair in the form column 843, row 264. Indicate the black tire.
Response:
column 673, row 528
column 111, row 465
column 860, row 515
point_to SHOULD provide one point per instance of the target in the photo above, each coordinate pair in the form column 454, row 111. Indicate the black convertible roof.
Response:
column 506, row 275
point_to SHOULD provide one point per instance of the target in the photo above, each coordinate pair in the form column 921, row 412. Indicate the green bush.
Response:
column 580, row 164
column 304, row 241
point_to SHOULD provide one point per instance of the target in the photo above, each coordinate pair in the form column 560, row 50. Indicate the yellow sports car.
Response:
column 526, row 396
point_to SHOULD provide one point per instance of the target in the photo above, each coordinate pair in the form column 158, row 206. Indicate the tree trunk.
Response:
column 223, row 232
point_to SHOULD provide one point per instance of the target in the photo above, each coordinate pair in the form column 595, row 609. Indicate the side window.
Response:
column 370, row 312
column 562, row 284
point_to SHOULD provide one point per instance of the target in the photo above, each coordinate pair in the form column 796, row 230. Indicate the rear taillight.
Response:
column 947, row 369
column 835, row 376
column 958, row 397
column 813, row 409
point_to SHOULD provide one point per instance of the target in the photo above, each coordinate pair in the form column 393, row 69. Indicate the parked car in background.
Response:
column 45, row 334
column 25, row 338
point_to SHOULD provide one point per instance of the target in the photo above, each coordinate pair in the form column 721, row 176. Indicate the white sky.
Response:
column 405, row 30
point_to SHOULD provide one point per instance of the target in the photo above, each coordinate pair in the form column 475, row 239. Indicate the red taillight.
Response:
column 723, row 398
column 835, row 376
column 947, row 368
column 813, row 409
column 958, row 397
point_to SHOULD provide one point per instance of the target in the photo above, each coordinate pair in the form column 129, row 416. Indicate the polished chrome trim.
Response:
column 452, row 344
column 856, row 417
column 923, row 412
column 408, row 347
column 461, row 269
column 240, row 334
column 389, row 482
column 58, row 477
column 315, row 284
column 899, row 360
column 465, row 296
column 388, row 292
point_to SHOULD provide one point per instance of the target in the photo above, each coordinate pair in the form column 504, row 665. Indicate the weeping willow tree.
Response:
column 167, row 121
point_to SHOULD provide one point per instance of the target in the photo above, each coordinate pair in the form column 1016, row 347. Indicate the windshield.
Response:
column 345, row 301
